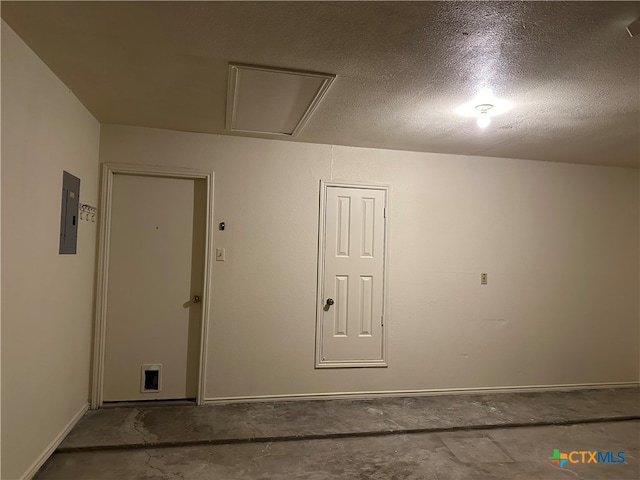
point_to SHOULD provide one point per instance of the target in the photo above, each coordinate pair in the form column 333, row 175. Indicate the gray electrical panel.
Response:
column 69, row 213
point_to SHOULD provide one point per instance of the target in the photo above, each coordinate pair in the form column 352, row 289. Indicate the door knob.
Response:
column 195, row 299
column 330, row 301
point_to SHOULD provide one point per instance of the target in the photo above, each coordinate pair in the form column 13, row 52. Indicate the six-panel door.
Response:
column 351, row 324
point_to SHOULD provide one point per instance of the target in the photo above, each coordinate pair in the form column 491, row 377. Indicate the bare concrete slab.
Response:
column 146, row 426
column 418, row 456
column 476, row 450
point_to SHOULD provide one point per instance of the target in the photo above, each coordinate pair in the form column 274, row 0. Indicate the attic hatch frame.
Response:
column 233, row 89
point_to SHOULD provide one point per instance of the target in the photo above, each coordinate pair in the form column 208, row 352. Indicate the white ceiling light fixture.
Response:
column 483, row 118
column 272, row 101
column 484, row 106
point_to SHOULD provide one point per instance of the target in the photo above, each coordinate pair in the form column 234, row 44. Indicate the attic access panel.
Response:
column 272, row 101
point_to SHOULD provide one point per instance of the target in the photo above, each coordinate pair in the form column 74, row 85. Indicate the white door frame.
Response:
column 324, row 185
column 108, row 171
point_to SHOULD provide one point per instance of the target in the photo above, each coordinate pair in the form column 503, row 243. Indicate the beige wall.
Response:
column 47, row 298
column 559, row 243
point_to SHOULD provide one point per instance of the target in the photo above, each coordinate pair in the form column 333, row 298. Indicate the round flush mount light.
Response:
column 484, row 106
column 483, row 114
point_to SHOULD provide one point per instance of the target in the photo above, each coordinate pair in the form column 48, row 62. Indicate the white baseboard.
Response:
column 417, row 393
column 28, row 475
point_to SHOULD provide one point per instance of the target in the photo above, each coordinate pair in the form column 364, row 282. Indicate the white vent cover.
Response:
column 272, row 101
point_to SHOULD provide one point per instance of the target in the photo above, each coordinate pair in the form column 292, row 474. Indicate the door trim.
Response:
column 319, row 363
column 108, row 171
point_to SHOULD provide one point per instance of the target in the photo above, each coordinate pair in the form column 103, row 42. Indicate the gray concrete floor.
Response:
column 499, row 436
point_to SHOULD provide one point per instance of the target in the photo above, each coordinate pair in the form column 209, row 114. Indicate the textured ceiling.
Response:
column 570, row 69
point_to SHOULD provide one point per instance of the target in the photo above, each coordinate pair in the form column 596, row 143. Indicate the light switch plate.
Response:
column 220, row 255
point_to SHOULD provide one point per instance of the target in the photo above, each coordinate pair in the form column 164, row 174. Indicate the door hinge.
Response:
column 385, row 212
column 382, row 320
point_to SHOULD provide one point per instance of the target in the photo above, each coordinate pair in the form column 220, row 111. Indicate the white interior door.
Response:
column 351, row 306
column 156, row 261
